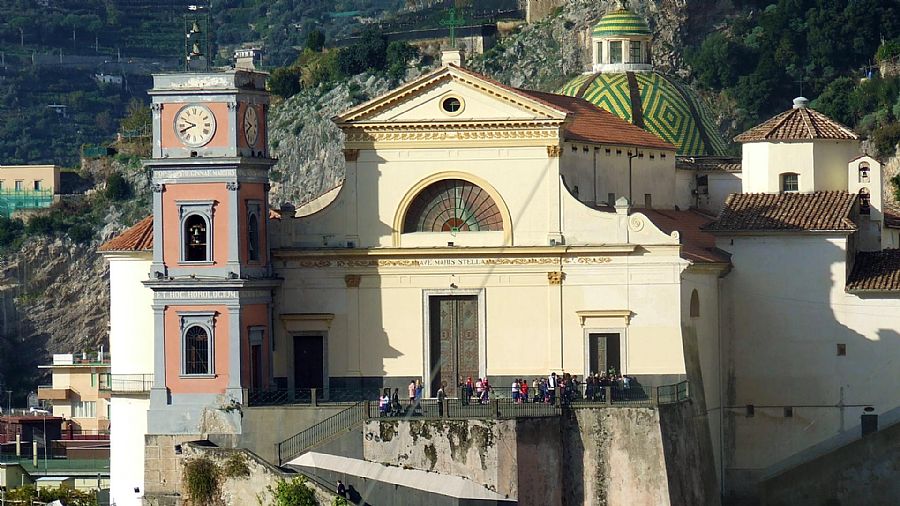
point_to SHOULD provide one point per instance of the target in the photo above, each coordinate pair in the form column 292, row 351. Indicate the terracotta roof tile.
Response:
column 696, row 244
column 786, row 212
column 709, row 163
column 593, row 124
column 801, row 123
column 875, row 271
column 137, row 238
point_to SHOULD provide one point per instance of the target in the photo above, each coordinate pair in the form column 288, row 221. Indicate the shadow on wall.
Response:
column 795, row 354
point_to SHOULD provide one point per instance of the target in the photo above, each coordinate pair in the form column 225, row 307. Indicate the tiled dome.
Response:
column 621, row 22
column 655, row 103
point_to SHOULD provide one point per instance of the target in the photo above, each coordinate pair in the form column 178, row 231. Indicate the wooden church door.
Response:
column 454, row 341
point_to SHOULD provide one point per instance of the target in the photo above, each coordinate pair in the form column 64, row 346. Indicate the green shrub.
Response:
column 117, row 188
column 293, row 493
column 235, row 466
column 10, row 230
column 201, row 477
column 886, row 138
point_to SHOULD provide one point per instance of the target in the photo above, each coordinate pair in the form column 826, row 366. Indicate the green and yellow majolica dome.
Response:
column 655, row 103
column 621, row 22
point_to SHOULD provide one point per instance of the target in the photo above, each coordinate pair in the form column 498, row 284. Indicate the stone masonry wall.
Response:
column 481, row 450
column 602, row 456
column 254, row 488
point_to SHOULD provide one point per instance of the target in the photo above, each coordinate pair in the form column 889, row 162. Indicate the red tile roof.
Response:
column 709, row 163
column 875, row 271
column 593, row 124
column 786, row 212
column 136, row 238
column 801, row 123
column 696, row 244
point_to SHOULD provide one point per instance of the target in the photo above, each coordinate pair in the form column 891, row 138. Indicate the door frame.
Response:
column 325, row 376
column 479, row 294
column 623, row 347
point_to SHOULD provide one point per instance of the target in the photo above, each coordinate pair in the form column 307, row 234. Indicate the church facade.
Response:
column 487, row 231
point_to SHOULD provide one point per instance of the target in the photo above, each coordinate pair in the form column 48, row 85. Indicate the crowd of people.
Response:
column 563, row 388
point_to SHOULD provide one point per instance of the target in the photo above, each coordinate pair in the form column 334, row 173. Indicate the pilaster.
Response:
column 159, row 394
column 234, row 388
column 233, row 263
column 158, row 267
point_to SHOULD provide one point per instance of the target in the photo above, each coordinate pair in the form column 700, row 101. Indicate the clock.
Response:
column 195, row 125
column 251, row 125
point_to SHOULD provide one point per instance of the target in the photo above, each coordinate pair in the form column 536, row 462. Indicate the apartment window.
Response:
column 197, row 343
column 599, row 53
column 648, row 200
column 864, row 172
column 841, row 350
column 611, row 199
column 84, row 409
column 20, row 185
column 615, row 51
column 790, row 182
column 37, row 185
column 635, row 52
column 196, row 231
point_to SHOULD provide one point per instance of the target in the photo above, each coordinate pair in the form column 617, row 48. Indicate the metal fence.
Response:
column 126, row 383
column 673, row 394
column 321, row 432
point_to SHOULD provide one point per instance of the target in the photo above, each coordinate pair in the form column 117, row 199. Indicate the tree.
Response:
column 137, row 117
column 285, row 81
column 315, row 40
column 399, row 54
column 117, row 188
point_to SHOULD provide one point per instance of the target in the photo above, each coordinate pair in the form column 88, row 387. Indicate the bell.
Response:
column 195, row 28
column 195, row 50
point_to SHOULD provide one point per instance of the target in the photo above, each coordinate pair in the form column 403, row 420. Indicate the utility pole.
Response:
column 8, row 402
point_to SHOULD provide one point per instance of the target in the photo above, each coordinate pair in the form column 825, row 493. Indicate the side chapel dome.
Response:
column 624, row 83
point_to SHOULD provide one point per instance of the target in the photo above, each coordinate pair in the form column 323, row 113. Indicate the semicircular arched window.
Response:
column 453, row 205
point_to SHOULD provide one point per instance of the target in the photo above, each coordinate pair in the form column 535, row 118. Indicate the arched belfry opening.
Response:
column 695, row 304
column 453, row 205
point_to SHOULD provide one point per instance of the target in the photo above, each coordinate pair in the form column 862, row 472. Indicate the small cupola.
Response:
column 621, row 42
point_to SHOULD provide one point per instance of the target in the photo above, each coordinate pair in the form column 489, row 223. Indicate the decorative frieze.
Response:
column 320, row 263
column 207, row 295
column 497, row 133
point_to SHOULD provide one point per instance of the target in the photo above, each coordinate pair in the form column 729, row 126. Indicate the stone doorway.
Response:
column 453, row 341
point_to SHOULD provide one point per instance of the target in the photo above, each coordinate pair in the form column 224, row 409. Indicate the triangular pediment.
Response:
column 479, row 99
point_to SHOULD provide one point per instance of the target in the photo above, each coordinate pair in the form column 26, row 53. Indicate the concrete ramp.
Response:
column 378, row 484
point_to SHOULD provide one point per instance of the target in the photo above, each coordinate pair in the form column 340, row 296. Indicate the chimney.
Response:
column 246, row 58
column 452, row 56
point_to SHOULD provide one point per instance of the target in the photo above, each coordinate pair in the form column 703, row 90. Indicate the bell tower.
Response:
column 211, row 272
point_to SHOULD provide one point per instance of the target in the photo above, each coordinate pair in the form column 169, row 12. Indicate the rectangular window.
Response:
column 611, row 199
column 197, row 342
column 196, row 230
column 751, row 410
column 19, row 185
column 790, row 183
column 648, row 200
column 37, row 185
column 615, row 51
column 841, row 350
column 635, row 52
column 1, row 184
column 84, row 409
column 599, row 53
column 788, row 412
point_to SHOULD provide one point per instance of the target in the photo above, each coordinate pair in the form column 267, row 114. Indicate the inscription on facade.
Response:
column 448, row 262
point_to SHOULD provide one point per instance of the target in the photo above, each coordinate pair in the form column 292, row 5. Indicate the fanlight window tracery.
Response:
column 453, row 205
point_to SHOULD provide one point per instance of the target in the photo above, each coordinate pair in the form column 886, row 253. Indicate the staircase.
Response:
column 322, row 432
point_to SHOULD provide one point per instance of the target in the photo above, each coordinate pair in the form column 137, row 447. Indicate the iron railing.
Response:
column 341, row 422
column 673, row 394
column 126, row 383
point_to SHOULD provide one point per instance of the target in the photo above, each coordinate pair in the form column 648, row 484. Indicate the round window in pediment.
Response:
column 453, row 205
column 452, row 105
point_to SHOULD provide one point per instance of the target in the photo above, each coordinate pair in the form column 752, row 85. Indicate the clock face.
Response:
column 195, row 125
column 251, row 125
